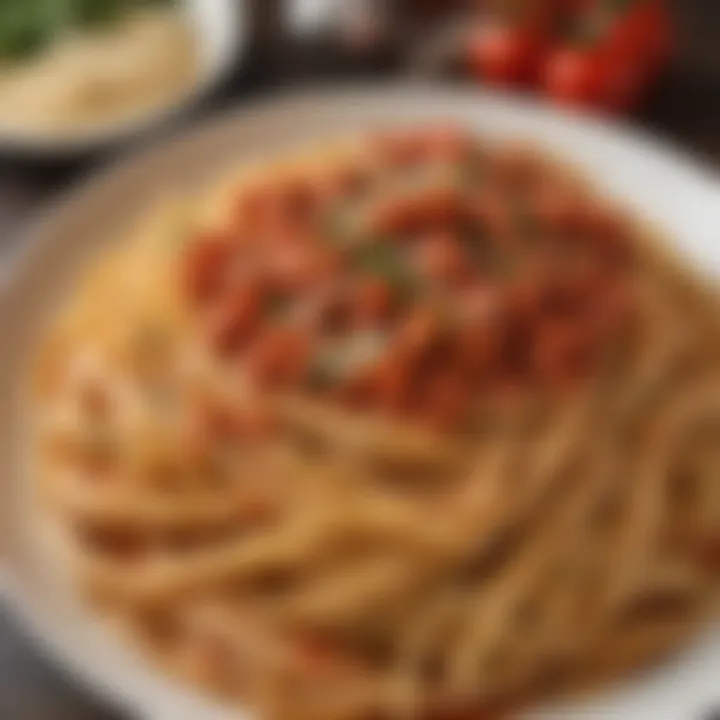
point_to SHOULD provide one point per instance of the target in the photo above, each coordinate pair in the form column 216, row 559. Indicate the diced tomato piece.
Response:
column 419, row 333
column 372, row 302
column 433, row 208
column 280, row 356
column 476, row 350
column 439, row 207
column 291, row 266
column 445, row 401
column 442, row 258
column 482, row 305
column 562, row 351
column 237, row 319
column 396, row 218
column 256, row 207
column 392, row 384
column 205, row 263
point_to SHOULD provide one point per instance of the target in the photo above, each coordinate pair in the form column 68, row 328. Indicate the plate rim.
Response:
column 114, row 132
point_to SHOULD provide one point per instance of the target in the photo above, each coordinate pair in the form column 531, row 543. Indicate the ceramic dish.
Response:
column 219, row 28
column 672, row 192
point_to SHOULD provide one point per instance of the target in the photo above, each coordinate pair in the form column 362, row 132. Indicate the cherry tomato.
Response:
column 591, row 78
column 476, row 348
column 572, row 77
column 644, row 32
column 505, row 54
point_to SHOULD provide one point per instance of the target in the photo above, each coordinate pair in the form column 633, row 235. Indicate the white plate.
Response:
column 661, row 184
column 220, row 27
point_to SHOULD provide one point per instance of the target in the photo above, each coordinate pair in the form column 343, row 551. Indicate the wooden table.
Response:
column 684, row 108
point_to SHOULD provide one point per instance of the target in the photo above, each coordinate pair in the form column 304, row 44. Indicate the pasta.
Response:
column 417, row 427
column 144, row 60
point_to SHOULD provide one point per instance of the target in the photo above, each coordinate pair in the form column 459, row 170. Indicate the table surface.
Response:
column 685, row 107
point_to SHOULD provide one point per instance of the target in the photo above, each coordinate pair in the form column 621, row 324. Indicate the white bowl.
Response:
column 221, row 31
column 660, row 183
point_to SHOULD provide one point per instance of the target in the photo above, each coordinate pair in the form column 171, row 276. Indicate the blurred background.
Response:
column 85, row 82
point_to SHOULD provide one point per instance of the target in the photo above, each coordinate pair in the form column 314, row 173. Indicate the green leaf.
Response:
column 24, row 28
column 99, row 12
column 28, row 26
column 381, row 259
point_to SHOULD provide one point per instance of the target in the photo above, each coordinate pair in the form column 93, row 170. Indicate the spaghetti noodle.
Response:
column 419, row 426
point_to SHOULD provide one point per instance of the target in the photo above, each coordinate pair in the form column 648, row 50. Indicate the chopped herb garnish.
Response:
column 337, row 225
column 380, row 258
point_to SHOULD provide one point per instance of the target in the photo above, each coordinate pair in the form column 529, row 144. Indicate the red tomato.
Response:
column 591, row 78
column 572, row 77
column 623, row 82
column 501, row 53
column 644, row 32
